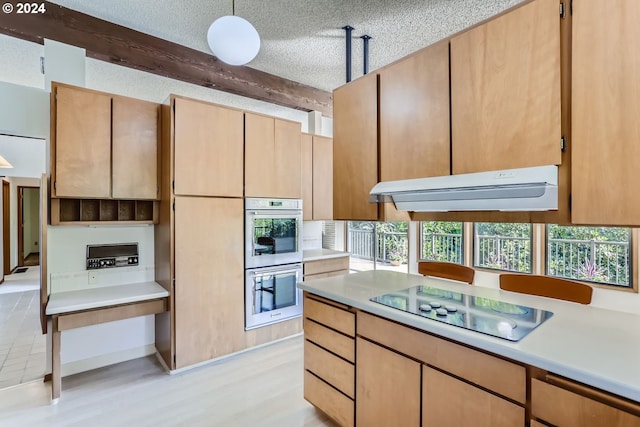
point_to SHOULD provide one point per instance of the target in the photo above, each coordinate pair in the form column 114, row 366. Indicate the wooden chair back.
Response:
column 447, row 270
column 545, row 286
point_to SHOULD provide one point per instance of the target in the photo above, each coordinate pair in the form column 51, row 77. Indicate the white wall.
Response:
column 26, row 155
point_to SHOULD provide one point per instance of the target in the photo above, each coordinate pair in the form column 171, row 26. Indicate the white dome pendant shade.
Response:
column 233, row 40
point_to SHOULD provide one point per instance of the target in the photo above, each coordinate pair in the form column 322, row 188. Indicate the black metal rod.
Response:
column 365, row 51
column 348, row 29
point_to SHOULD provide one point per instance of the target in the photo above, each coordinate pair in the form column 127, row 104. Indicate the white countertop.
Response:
column 591, row 345
column 85, row 299
column 319, row 254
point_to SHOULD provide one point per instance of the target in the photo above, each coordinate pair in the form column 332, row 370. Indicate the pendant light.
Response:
column 233, row 40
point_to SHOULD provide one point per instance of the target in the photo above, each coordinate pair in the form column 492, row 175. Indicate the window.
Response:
column 502, row 246
column 441, row 241
column 385, row 242
column 592, row 254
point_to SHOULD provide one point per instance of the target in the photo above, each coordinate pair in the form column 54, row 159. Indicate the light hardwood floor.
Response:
column 261, row 387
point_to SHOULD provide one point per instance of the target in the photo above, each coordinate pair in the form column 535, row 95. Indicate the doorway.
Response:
column 28, row 226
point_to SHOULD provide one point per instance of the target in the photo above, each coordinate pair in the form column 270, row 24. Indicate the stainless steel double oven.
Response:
column 273, row 260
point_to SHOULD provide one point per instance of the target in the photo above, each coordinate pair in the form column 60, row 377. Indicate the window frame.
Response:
column 633, row 262
column 532, row 245
column 462, row 242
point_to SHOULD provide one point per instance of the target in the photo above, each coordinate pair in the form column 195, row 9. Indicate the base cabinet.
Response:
column 407, row 377
column 449, row 401
column 329, row 356
column 576, row 405
column 322, row 268
column 387, row 387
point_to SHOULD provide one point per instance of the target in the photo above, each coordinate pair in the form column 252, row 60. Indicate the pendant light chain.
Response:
column 233, row 7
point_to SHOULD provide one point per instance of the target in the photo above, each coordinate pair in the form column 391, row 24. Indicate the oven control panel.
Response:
column 109, row 256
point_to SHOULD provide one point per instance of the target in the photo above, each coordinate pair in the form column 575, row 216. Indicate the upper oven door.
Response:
column 273, row 237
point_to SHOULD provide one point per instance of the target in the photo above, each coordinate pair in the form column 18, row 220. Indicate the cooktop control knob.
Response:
column 441, row 312
column 425, row 307
column 435, row 304
column 451, row 308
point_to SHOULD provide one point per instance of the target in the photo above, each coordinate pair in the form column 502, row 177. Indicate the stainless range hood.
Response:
column 525, row 189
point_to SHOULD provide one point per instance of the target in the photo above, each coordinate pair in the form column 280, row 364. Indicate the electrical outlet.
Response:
column 93, row 277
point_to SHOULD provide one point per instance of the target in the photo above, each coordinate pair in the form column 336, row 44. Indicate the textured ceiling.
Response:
column 303, row 40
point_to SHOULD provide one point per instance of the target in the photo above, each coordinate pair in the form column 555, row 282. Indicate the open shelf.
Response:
column 105, row 211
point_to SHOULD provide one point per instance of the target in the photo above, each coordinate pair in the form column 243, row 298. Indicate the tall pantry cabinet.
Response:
column 199, row 249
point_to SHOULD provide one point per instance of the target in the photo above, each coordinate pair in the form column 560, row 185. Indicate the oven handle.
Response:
column 270, row 272
column 276, row 214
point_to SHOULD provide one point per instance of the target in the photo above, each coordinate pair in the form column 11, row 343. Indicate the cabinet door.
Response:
column 451, row 402
column 414, row 116
column 605, row 100
column 134, row 149
column 208, row 149
column 209, row 278
column 322, row 178
column 82, row 143
column 259, row 159
column 355, row 149
column 505, row 91
column 286, row 167
column 564, row 408
column 387, row 387
column 306, row 155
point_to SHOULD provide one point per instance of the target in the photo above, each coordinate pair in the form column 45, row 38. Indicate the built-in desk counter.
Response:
column 75, row 309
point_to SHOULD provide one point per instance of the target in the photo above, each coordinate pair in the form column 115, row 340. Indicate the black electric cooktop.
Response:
column 496, row 318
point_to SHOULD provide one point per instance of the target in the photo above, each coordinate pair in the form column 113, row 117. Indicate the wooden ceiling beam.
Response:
column 119, row 45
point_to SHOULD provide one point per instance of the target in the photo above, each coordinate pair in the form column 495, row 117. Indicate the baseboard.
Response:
column 106, row 360
column 227, row 356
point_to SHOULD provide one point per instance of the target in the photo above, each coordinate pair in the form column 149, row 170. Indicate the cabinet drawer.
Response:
column 499, row 375
column 337, row 372
column 333, row 341
column 449, row 401
column 328, row 315
column 326, row 265
column 568, row 409
column 329, row 400
column 308, row 278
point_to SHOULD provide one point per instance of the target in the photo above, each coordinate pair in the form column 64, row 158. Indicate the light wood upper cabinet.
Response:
column 82, row 143
column 355, row 149
column 414, row 116
column 208, row 149
column 134, row 148
column 605, row 107
column 272, row 157
column 505, row 91
column 306, row 155
column 317, row 177
column 322, row 178
column 209, row 281
column 287, row 166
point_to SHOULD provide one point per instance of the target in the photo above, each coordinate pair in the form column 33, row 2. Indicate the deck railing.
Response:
column 503, row 253
column 392, row 246
column 590, row 260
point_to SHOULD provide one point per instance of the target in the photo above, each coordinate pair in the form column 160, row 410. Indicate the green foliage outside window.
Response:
column 593, row 254
column 503, row 246
column 441, row 241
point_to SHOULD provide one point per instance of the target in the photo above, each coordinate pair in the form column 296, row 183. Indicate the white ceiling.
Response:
column 303, row 40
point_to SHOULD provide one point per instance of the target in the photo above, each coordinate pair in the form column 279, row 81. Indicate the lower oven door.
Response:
column 271, row 295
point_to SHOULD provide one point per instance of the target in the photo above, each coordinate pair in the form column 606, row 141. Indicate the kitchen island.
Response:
column 579, row 367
